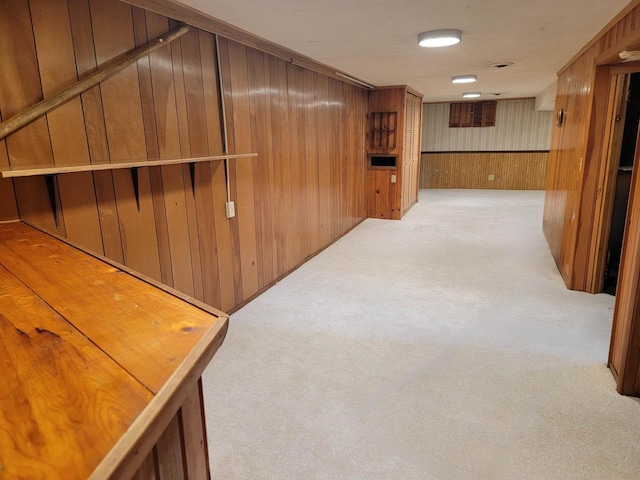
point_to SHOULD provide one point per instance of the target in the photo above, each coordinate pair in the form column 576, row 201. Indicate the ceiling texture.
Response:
column 377, row 40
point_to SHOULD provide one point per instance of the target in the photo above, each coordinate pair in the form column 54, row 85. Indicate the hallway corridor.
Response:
column 443, row 346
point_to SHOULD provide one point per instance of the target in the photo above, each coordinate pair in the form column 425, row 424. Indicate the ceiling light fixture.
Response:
column 464, row 79
column 471, row 94
column 439, row 38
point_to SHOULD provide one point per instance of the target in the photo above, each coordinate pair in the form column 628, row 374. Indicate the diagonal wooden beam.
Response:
column 104, row 71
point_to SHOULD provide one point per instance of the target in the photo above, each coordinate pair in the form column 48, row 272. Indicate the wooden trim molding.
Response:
column 472, row 101
column 611, row 55
column 191, row 16
column 429, row 152
column 633, row 4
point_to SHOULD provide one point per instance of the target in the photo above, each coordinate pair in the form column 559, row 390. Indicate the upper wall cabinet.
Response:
column 393, row 147
column 472, row 114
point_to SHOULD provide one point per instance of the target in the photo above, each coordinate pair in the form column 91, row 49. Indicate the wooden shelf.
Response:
column 97, row 361
column 30, row 172
column 382, row 130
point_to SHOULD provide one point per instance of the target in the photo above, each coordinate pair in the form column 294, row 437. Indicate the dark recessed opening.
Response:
column 384, row 161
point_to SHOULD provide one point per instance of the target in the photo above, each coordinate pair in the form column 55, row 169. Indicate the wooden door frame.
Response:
column 625, row 330
column 610, row 155
column 602, row 163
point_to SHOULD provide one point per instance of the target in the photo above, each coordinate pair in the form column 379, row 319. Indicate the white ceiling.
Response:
column 376, row 40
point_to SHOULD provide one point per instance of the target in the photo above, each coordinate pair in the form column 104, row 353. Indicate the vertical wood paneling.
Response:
column 305, row 189
column 311, row 169
column 264, row 178
column 296, row 119
column 299, row 127
column 574, row 187
column 113, row 34
column 324, row 165
column 204, row 235
column 224, row 247
column 170, row 448
column 151, row 138
column 19, row 87
column 193, row 431
column 233, row 225
column 82, row 34
column 205, row 189
column 52, row 31
column 238, row 83
column 333, row 141
column 147, row 470
column 511, row 170
column 8, row 206
column 281, row 153
column 568, row 218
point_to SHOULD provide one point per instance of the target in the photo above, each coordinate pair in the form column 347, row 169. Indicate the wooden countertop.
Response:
column 93, row 358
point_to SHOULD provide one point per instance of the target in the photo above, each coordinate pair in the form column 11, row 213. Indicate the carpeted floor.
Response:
column 443, row 346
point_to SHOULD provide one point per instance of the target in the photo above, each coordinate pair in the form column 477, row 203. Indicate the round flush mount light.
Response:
column 464, row 79
column 471, row 94
column 439, row 38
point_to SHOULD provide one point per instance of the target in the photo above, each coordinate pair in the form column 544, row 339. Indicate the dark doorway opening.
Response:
column 623, row 184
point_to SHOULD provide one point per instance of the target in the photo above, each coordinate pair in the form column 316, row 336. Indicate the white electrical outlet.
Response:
column 393, row 179
column 492, row 177
column 230, row 208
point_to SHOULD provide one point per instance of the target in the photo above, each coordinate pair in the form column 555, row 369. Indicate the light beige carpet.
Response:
column 444, row 346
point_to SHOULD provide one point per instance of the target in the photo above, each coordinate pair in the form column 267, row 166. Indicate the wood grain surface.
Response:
column 575, row 158
column 105, row 305
column 511, row 170
column 303, row 190
column 81, row 393
column 61, row 407
column 385, row 198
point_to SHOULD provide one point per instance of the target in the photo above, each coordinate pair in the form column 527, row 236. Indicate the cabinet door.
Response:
column 413, row 107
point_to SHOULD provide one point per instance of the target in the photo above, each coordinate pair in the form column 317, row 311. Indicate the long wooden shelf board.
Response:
column 55, row 380
column 30, row 172
column 97, row 360
column 143, row 329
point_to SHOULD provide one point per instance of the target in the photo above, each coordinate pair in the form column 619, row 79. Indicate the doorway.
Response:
column 627, row 127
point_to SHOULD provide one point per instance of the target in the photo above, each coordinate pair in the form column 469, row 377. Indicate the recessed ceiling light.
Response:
column 464, row 79
column 502, row 64
column 471, row 94
column 439, row 38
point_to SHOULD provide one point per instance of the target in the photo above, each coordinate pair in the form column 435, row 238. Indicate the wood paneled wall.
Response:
column 304, row 190
column 511, row 170
column 571, row 190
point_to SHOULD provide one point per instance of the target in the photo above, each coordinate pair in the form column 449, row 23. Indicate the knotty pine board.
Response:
column 512, row 170
column 72, row 327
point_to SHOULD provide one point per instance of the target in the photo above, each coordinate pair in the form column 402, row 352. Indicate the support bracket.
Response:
column 51, row 182
column 136, row 185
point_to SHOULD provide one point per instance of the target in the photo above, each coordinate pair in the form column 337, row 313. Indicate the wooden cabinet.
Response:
column 393, row 146
column 472, row 114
